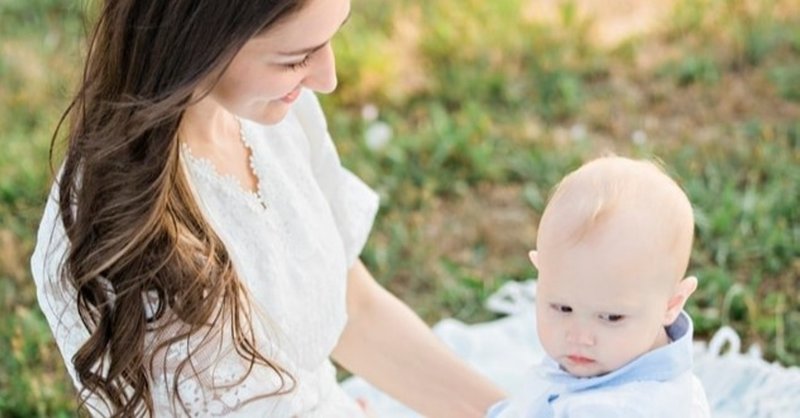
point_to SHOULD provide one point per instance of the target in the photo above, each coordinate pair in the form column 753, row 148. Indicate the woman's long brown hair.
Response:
column 135, row 230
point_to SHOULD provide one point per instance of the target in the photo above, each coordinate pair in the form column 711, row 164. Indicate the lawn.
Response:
column 463, row 114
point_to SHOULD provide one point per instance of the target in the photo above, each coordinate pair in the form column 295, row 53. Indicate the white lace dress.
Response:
column 291, row 244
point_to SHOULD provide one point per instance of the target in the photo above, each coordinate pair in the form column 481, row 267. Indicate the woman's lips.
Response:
column 292, row 96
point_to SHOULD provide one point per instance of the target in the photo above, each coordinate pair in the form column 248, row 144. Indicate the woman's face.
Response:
column 266, row 75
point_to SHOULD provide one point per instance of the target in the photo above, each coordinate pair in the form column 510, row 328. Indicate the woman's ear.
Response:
column 534, row 256
column 676, row 302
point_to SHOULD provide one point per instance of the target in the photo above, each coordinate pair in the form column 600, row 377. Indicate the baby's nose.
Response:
column 580, row 335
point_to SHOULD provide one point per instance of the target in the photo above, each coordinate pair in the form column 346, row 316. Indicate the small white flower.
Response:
column 639, row 137
column 377, row 135
column 578, row 132
column 369, row 112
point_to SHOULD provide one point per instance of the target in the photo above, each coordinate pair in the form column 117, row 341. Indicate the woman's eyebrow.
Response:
column 304, row 51
column 311, row 50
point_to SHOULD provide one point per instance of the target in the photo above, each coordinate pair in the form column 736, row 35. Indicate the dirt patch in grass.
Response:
column 636, row 108
column 612, row 21
column 494, row 218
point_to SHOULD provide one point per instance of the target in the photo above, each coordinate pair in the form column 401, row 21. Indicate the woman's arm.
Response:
column 390, row 346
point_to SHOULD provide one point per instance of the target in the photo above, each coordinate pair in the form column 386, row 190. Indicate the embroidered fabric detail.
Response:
column 204, row 168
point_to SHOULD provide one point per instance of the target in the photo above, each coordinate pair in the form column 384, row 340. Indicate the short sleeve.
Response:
column 353, row 203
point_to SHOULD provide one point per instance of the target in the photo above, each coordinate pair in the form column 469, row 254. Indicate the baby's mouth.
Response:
column 581, row 360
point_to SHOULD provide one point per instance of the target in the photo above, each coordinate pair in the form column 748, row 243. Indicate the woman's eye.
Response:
column 298, row 65
column 561, row 308
column 612, row 317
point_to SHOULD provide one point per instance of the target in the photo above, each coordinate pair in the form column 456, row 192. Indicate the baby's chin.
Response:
column 584, row 371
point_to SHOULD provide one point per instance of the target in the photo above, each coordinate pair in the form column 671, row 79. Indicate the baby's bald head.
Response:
column 631, row 205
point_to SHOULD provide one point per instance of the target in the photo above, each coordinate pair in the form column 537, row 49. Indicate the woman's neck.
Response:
column 206, row 124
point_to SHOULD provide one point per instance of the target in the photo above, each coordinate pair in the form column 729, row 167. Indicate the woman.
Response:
column 199, row 253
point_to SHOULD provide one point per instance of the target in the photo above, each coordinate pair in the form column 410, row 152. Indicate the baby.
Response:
column 612, row 250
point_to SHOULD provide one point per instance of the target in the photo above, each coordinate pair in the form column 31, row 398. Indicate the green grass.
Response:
column 488, row 111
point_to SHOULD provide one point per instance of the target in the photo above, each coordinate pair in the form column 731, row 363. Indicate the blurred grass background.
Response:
column 463, row 114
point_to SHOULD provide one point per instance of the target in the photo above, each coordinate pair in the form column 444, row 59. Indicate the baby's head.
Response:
column 612, row 249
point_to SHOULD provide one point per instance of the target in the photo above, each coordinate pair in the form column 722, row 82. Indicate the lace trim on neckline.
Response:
column 251, row 160
column 230, row 184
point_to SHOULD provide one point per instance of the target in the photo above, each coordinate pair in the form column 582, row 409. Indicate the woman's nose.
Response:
column 322, row 74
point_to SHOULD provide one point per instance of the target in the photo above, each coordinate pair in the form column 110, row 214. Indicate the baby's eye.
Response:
column 612, row 317
column 561, row 308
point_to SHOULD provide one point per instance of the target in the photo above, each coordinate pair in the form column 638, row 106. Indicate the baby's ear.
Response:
column 534, row 256
column 683, row 290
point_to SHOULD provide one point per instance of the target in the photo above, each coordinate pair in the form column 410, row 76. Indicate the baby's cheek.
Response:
column 547, row 336
column 543, row 324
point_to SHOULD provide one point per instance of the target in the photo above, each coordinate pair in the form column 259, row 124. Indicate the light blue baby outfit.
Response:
column 658, row 384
